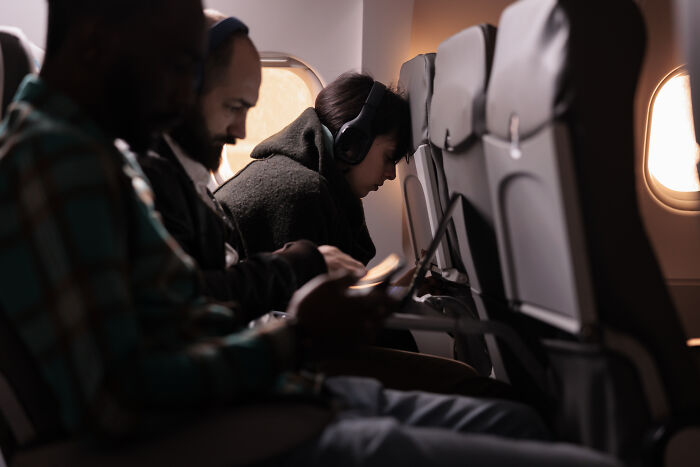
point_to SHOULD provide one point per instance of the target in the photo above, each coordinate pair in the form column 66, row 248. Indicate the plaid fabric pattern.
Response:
column 103, row 297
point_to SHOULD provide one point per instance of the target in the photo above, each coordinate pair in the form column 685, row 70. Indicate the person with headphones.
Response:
column 307, row 181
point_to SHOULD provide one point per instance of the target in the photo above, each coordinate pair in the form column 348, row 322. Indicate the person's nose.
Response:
column 390, row 173
column 237, row 127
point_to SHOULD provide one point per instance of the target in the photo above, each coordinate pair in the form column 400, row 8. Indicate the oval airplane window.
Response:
column 288, row 87
column 672, row 153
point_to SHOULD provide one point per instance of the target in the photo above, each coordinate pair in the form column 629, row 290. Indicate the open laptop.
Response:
column 383, row 272
column 425, row 262
column 391, row 264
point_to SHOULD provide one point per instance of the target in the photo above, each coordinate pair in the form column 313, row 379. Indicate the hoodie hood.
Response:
column 303, row 141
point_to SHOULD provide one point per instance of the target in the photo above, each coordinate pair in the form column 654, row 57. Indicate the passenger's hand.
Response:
column 339, row 262
column 332, row 320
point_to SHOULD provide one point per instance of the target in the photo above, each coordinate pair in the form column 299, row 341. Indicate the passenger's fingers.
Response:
column 340, row 280
column 337, row 260
column 355, row 267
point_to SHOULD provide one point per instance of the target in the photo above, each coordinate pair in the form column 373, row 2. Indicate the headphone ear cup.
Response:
column 352, row 144
column 354, row 139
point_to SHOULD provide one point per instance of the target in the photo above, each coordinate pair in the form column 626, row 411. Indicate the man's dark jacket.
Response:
column 259, row 283
column 295, row 190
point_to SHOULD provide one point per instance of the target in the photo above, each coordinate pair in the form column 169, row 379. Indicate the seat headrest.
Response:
column 557, row 56
column 529, row 66
column 416, row 79
column 18, row 57
column 461, row 76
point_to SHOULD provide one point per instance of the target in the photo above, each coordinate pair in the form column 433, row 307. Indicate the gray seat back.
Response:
column 457, row 122
column 687, row 17
column 456, row 125
column 530, row 170
column 421, row 176
column 575, row 256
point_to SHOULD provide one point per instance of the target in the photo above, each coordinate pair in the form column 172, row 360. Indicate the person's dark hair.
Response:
column 342, row 100
column 64, row 15
column 219, row 59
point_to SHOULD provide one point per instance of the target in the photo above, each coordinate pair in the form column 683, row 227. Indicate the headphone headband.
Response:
column 354, row 139
column 218, row 33
column 223, row 30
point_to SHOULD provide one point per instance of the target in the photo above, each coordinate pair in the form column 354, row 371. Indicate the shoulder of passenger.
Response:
column 65, row 149
column 154, row 163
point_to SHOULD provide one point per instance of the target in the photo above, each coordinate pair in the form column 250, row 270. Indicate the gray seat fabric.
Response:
column 531, row 177
column 575, row 257
column 421, row 176
column 687, row 17
column 457, row 122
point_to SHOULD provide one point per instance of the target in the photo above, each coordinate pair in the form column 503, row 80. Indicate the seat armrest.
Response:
column 467, row 326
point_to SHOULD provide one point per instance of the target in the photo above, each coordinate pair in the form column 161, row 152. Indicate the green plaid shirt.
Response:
column 105, row 300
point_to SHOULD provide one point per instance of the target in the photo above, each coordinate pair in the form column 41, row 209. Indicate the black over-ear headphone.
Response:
column 353, row 140
column 217, row 35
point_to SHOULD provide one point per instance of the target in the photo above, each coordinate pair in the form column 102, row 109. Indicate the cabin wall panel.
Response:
column 436, row 20
column 386, row 35
column 324, row 34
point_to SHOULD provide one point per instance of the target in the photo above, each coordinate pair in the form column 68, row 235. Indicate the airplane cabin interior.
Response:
column 546, row 216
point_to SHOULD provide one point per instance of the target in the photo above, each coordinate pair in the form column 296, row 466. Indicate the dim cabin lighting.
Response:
column 673, row 151
column 284, row 95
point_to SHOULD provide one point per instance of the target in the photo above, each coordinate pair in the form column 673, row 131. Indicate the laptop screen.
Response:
column 425, row 261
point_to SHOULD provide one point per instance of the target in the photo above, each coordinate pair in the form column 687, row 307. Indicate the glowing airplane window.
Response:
column 284, row 93
column 673, row 153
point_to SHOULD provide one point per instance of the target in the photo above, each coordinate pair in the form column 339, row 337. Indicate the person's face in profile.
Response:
column 225, row 105
column 154, row 70
column 377, row 167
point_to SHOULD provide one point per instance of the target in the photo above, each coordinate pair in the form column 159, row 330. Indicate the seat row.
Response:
column 531, row 128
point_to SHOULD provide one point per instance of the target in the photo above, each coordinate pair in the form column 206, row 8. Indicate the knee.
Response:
column 515, row 420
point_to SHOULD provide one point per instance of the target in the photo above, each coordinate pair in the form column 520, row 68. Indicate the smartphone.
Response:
column 382, row 273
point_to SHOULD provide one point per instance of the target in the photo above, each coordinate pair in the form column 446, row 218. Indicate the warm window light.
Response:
column 694, row 342
column 673, row 151
column 283, row 96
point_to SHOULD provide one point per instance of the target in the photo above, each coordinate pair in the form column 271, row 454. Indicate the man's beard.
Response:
column 194, row 138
